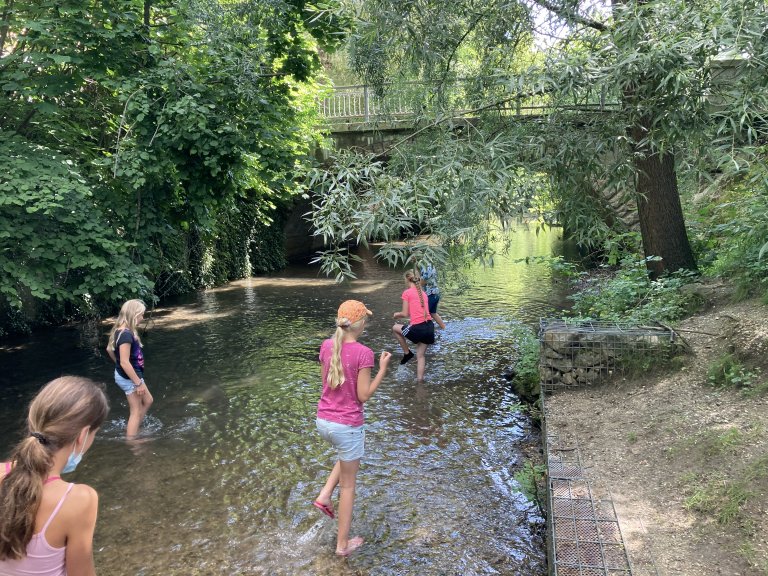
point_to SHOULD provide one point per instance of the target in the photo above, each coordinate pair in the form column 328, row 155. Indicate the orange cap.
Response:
column 353, row 310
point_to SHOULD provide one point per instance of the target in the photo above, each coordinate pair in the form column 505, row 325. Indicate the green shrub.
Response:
column 728, row 371
column 629, row 295
column 526, row 370
column 531, row 478
column 730, row 233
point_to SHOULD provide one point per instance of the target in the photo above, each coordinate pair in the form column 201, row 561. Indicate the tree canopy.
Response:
column 134, row 133
column 677, row 89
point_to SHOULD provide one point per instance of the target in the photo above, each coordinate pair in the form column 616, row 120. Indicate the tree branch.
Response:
column 571, row 15
column 439, row 121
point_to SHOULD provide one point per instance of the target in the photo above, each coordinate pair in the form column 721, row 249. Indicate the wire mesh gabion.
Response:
column 584, row 532
column 584, row 352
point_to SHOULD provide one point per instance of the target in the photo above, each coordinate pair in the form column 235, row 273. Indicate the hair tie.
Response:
column 40, row 438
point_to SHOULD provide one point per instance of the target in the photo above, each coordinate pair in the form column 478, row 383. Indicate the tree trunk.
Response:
column 5, row 22
column 662, row 224
column 147, row 13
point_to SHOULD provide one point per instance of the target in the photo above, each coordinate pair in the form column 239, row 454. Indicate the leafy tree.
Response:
column 647, row 68
column 54, row 241
column 162, row 123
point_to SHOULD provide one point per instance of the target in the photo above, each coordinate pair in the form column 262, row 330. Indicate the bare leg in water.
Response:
column 344, row 475
column 421, row 361
column 347, row 480
column 138, row 404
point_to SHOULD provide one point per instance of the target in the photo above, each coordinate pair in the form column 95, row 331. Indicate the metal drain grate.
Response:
column 584, row 530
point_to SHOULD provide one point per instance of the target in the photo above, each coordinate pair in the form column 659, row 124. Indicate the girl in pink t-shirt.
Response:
column 347, row 385
column 420, row 330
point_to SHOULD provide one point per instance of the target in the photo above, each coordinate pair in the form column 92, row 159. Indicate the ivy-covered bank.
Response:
column 244, row 246
column 149, row 148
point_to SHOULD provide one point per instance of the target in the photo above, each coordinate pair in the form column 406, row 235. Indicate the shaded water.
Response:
column 230, row 460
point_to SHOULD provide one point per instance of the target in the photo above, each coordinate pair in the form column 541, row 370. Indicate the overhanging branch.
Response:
column 572, row 15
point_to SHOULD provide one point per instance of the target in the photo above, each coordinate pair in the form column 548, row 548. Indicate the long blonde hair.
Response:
column 336, row 369
column 127, row 319
column 58, row 413
column 412, row 277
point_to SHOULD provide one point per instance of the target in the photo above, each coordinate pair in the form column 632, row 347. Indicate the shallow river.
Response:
column 229, row 463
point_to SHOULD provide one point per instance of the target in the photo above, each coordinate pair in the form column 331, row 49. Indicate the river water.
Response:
column 223, row 478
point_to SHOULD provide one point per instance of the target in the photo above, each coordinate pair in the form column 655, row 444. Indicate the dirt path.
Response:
column 675, row 451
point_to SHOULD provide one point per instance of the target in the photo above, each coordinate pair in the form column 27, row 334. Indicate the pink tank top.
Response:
column 42, row 559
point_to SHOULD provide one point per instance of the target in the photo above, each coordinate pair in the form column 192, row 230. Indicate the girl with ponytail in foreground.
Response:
column 46, row 524
column 347, row 385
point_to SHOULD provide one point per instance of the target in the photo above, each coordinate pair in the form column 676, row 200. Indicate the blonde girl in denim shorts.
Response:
column 347, row 385
column 127, row 353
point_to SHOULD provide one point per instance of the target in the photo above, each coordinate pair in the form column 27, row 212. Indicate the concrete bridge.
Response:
column 360, row 117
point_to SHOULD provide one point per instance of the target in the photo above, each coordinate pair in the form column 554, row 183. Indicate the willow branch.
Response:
column 572, row 15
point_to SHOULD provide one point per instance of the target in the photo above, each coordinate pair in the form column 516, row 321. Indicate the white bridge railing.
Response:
column 361, row 103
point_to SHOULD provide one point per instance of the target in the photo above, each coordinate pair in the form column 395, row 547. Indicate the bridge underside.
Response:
column 378, row 137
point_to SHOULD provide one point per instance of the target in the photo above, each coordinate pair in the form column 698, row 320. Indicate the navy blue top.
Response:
column 137, row 355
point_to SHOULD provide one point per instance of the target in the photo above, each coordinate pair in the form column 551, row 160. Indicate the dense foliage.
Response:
column 730, row 219
column 638, row 98
column 628, row 295
column 146, row 148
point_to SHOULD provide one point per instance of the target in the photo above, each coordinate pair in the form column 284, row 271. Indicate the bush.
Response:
column 629, row 295
column 728, row 371
column 58, row 249
column 731, row 231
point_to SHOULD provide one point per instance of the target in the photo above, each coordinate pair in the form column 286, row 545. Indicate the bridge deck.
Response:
column 359, row 108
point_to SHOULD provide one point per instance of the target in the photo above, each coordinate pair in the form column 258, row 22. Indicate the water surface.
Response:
column 229, row 463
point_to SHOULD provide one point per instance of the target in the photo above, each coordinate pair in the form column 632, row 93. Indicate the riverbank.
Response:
column 685, row 461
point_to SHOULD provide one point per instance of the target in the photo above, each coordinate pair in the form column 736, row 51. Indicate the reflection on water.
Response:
column 222, row 479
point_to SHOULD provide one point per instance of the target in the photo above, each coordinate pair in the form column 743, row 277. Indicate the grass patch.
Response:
column 747, row 550
column 727, row 371
column 727, row 499
column 760, row 388
column 710, row 443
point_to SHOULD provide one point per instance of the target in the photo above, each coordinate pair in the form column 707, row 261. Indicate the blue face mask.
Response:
column 74, row 459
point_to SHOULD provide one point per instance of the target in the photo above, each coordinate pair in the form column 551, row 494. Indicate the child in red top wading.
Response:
column 347, row 385
column 420, row 330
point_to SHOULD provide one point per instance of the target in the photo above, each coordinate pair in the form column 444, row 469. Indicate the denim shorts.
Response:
column 349, row 441
column 125, row 383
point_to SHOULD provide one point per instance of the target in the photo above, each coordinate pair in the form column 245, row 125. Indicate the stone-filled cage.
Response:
column 577, row 353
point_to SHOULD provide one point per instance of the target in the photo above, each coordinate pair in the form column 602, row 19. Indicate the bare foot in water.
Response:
column 352, row 545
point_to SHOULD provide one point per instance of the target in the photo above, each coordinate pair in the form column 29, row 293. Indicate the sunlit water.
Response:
column 229, row 463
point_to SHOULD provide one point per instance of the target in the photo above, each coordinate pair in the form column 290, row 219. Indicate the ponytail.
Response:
column 336, row 369
column 56, row 416
column 415, row 279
